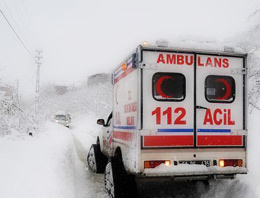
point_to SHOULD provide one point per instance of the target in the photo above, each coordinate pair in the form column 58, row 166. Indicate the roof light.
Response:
column 229, row 49
column 145, row 43
column 162, row 43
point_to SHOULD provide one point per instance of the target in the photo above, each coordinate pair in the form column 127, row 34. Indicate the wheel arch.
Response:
column 118, row 153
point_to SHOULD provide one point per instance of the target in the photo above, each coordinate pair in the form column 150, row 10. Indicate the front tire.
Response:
column 96, row 160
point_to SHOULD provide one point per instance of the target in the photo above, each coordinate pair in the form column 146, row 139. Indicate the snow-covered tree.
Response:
column 13, row 117
column 250, row 42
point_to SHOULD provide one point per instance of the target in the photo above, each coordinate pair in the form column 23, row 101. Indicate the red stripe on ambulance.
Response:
column 168, row 141
column 220, row 140
column 123, row 135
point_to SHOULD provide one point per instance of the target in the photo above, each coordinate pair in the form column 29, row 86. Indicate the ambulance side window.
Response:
column 169, row 86
column 220, row 89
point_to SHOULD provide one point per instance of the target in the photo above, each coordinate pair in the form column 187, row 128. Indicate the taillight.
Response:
column 153, row 164
column 230, row 162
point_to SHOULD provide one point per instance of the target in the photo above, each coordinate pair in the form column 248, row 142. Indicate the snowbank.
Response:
column 38, row 166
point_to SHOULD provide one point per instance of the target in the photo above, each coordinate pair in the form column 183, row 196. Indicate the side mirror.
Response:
column 101, row 122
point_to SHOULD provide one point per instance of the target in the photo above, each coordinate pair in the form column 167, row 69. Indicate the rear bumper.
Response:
column 193, row 171
column 186, row 170
column 142, row 178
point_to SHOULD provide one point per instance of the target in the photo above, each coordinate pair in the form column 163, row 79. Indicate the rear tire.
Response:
column 117, row 183
column 96, row 160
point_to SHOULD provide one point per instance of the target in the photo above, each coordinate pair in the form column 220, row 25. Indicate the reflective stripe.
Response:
column 175, row 130
column 215, row 130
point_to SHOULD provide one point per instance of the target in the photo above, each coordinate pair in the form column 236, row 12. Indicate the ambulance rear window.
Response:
column 169, row 86
column 220, row 89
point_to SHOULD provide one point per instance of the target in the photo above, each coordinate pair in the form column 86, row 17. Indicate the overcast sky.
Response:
column 82, row 37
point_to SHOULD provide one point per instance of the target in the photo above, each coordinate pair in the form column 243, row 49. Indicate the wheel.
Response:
column 132, row 187
column 109, row 180
column 114, row 180
column 96, row 160
column 117, row 183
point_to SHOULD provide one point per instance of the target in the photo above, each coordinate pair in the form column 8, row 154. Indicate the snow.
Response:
column 202, row 45
column 84, row 131
column 51, row 164
column 34, row 166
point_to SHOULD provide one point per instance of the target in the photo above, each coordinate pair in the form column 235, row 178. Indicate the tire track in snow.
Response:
column 88, row 184
column 82, row 154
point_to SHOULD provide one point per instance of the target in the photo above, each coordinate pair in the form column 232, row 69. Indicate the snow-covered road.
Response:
column 88, row 184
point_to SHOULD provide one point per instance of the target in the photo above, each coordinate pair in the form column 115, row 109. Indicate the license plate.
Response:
column 198, row 162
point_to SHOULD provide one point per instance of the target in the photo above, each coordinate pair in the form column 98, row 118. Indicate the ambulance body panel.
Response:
column 179, row 113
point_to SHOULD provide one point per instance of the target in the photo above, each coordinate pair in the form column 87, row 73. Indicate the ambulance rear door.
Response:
column 167, row 99
column 220, row 101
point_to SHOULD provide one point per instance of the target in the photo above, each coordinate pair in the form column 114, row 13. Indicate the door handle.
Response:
column 200, row 107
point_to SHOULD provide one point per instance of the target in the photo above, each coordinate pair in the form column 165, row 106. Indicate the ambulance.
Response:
column 178, row 114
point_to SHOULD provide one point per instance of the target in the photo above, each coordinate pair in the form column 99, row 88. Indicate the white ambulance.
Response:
column 177, row 114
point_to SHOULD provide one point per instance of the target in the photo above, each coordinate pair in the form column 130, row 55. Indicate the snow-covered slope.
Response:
column 93, row 97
